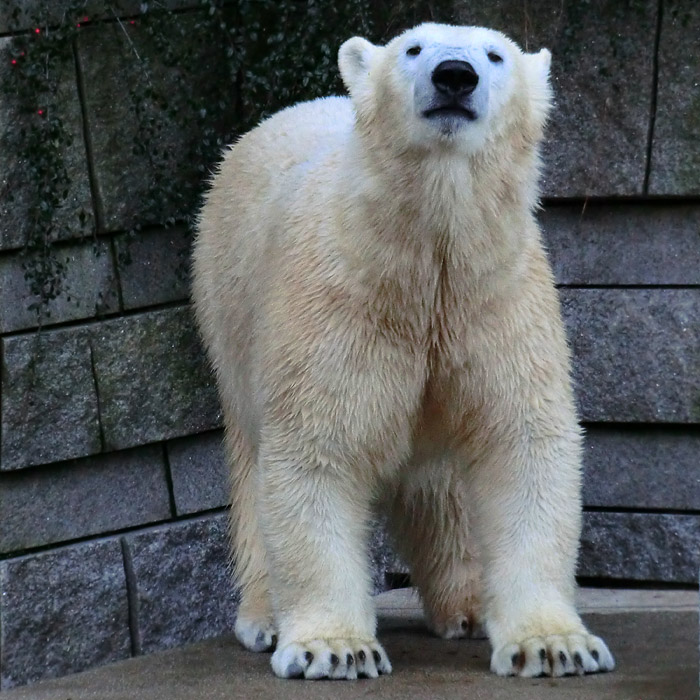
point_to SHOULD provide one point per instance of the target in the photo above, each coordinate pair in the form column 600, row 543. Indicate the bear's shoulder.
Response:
column 306, row 125
column 295, row 135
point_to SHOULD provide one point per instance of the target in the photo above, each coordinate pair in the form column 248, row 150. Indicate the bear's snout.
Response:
column 455, row 78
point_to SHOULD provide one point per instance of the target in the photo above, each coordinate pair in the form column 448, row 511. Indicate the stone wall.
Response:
column 112, row 478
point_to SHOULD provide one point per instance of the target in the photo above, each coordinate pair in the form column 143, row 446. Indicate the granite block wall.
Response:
column 113, row 485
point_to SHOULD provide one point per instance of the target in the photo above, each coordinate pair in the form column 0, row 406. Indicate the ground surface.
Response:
column 654, row 637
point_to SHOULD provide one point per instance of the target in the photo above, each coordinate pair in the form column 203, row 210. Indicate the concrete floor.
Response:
column 653, row 635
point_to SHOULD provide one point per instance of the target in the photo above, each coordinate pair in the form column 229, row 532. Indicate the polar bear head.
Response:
column 453, row 87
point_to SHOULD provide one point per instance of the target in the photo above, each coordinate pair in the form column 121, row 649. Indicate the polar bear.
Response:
column 371, row 286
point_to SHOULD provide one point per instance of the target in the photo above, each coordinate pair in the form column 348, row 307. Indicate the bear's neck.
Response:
column 469, row 216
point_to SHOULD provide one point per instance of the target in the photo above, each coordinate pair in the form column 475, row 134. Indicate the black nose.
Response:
column 455, row 78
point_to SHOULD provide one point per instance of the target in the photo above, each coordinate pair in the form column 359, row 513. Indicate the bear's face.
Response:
column 460, row 86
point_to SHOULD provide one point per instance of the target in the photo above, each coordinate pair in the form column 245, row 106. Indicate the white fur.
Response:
column 374, row 296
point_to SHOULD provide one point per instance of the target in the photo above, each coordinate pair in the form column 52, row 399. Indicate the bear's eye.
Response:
column 494, row 57
column 413, row 51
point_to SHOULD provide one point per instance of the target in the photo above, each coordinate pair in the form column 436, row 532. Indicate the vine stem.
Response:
column 126, row 34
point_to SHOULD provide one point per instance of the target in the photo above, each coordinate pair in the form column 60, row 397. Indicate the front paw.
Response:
column 331, row 658
column 553, row 655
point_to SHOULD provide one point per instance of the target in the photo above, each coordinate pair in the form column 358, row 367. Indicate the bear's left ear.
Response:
column 540, row 87
column 354, row 60
column 539, row 66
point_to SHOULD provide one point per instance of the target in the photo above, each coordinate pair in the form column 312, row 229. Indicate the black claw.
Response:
column 465, row 625
column 295, row 671
column 577, row 659
column 543, row 655
column 515, row 658
column 377, row 656
column 334, row 660
column 361, row 655
column 595, row 654
column 350, row 660
column 562, row 658
column 273, row 641
column 308, row 657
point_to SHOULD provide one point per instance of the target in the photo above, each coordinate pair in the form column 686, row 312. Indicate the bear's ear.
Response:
column 540, row 87
column 539, row 66
column 354, row 59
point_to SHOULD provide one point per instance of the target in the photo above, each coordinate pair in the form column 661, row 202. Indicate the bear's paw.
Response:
column 554, row 655
column 331, row 658
column 256, row 635
column 458, row 626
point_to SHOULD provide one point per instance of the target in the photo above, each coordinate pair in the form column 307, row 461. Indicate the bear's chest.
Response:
column 460, row 321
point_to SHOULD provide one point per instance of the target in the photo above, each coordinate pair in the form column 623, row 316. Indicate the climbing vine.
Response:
column 191, row 76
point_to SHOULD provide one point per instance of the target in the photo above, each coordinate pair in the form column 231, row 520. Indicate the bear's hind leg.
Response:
column 255, row 625
column 430, row 523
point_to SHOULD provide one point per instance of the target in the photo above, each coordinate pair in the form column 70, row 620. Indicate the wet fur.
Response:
column 385, row 332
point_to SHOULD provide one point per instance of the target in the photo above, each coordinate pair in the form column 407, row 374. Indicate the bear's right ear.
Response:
column 354, row 60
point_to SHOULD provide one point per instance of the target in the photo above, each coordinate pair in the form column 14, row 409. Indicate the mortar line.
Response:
column 92, row 320
column 87, row 140
column 93, row 369
column 117, row 273
column 645, row 426
column 623, row 200
column 169, row 480
column 633, row 584
column 2, row 383
column 111, row 534
column 178, row 225
column 654, row 97
column 195, row 7
column 668, row 287
column 640, row 510
column 131, row 598
column 92, row 174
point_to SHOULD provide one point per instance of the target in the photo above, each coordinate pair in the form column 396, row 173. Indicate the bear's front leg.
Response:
column 315, row 513
column 529, row 524
column 523, row 448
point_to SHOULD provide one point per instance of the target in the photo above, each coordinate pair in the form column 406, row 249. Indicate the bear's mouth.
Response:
column 452, row 110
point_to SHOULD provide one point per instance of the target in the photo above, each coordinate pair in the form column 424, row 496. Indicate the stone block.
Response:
column 199, row 473
column 675, row 155
column 641, row 467
column 49, row 403
column 153, row 267
column 26, row 139
column 87, row 497
column 631, row 244
column 88, row 289
column 183, row 587
column 640, row 547
column 62, row 611
column 636, row 353
column 602, row 75
column 149, row 140
column 153, row 380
